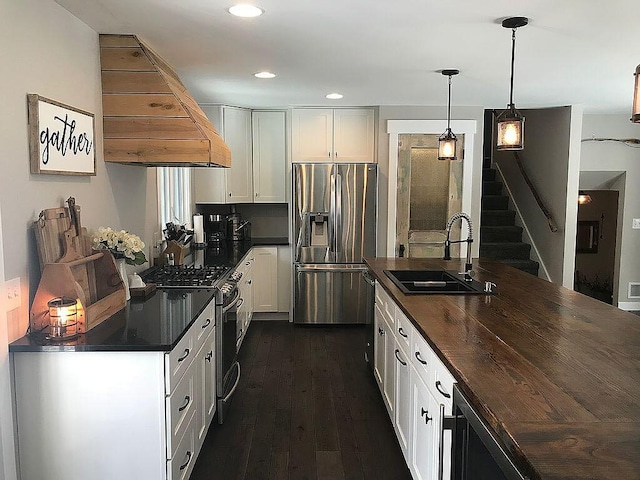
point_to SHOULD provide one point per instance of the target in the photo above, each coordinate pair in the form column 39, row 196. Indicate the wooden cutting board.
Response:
column 49, row 230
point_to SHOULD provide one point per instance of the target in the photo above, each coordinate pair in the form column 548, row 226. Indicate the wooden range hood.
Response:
column 149, row 117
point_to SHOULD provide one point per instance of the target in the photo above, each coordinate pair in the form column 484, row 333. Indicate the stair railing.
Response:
column 552, row 224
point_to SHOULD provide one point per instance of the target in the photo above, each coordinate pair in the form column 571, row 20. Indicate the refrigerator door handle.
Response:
column 332, row 222
column 338, row 225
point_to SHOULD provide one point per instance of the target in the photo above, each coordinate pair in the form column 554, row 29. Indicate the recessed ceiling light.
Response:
column 334, row 96
column 245, row 10
column 264, row 75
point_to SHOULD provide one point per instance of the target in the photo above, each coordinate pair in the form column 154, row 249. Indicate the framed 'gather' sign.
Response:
column 61, row 138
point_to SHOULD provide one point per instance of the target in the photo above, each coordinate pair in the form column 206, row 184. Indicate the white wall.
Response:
column 551, row 160
column 46, row 50
column 50, row 52
column 616, row 157
column 388, row 112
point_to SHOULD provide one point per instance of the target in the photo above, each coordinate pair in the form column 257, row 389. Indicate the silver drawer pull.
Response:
column 185, row 464
column 419, row 358
column 206, row 323
column 209, row 356
column 441, row 390
column 401, row 332
column 186, row 403
column 186, row 354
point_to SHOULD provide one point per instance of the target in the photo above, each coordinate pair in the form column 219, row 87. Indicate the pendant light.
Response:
column 447, row 141
column 510, row 121
column 635, row 117
column 583, row 197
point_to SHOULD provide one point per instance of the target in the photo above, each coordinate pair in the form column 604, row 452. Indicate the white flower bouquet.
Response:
column 122, row 244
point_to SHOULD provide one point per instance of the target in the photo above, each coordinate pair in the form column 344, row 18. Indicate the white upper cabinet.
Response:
column 237, row 134
column 333, row 135
column 269, row 156
column 258, row 158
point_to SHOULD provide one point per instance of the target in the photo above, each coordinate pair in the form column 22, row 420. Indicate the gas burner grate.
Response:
column 181, row 276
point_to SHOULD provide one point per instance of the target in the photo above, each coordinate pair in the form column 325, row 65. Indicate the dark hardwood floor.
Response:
column 307, row 407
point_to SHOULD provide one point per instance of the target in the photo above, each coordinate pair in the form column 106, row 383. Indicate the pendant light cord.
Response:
column 513, row 57
column 449, row 107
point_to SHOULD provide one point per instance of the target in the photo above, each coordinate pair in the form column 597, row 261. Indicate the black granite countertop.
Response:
column 156, row 323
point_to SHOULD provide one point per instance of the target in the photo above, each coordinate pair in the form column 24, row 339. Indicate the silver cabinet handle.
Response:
column 209, row 356
column 442, row 392
column 380, row 331
column 186, row 354
column 419, row 358
column 187, row 399
column 398, row 358
column 401, row 332
column 185, row 464
column 206, row 323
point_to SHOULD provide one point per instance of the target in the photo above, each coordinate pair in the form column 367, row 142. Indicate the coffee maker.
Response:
column 215, row 229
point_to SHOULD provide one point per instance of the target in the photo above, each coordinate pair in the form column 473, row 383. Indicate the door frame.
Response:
column 395, row 128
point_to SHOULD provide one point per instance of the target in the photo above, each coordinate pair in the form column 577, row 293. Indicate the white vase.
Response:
column 120, row 262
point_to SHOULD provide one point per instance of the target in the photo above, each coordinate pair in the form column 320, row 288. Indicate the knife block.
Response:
column 93, row 280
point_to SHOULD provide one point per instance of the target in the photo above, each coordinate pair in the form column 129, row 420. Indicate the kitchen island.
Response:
column 554, row 373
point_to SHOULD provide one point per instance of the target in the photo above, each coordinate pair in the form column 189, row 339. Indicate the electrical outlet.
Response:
column 636, row 223
column 12, row 289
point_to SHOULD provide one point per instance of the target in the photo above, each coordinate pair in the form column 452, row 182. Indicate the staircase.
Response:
column 500, row 238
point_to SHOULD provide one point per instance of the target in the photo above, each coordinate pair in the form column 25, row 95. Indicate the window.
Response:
column 174, row 195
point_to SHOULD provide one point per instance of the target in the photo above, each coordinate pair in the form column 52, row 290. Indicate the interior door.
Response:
column 429, row 193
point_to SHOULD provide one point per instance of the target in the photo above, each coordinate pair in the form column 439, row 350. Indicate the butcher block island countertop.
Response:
column 556, row 374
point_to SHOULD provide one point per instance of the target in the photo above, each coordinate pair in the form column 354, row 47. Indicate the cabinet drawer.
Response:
column 204, row 325
column 387, row 306
column 442, row 385
column 422, row 358
column 178, row 360
column 180, row 406
column 403, row 330
column 180, row 465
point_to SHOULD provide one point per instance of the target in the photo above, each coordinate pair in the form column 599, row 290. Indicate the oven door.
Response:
column 476, row 453
column 228, row 367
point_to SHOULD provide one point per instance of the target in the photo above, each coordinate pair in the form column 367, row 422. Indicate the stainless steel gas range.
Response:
column 226, row 297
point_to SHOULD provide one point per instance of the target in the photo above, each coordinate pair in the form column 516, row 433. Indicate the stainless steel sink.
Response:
column 429, row 282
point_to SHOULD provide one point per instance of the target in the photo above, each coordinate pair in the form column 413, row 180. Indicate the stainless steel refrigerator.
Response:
column 334, row 216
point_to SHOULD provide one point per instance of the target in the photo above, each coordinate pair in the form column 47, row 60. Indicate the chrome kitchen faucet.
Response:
column 447, row 244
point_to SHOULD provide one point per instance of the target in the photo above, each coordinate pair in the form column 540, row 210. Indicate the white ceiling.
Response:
column 385, row 52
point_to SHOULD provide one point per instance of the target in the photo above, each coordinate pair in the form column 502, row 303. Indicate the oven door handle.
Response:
column 235, row 385
column 233, row 303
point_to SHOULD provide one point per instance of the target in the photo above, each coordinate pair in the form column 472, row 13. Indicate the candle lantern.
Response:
column 63, row 318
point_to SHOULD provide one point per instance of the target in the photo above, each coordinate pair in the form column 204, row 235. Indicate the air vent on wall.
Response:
column 634, row 290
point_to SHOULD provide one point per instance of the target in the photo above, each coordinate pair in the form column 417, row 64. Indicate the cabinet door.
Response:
column 353, row 135
column 269, row 156
column 312, row 135
column 424, row 441
column 237, row 135
column 402, row 420
column 207, row 380
column 378, row 348
column 210, row 183
column 265, row 279
column 388, row 383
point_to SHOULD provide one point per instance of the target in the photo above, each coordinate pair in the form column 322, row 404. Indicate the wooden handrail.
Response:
column 552, row 224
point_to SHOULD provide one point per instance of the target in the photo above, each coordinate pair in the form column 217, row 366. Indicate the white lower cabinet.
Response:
column 421, row 387
column 265, row 276
column 116, row 415
column 403, row 399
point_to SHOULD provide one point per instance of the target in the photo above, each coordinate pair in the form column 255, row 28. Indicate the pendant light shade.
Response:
column 635, row 117
column 447, row 142
column 510, row 128
column 583, row 198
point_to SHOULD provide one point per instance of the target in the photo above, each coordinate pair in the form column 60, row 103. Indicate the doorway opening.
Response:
column 595, row 267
